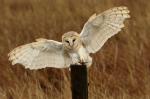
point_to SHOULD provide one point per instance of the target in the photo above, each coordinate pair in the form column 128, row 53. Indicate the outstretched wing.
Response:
column 99, row 28
column 40, row 54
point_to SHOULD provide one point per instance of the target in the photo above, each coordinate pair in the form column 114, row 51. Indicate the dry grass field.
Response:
column 121, row 69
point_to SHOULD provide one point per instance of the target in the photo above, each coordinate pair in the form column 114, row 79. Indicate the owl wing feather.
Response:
column 99, row 28
column 40, row 54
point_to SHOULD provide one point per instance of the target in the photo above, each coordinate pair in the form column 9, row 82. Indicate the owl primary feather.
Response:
column 75, row 48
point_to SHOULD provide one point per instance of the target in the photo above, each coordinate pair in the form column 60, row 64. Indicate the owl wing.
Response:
column 99, row 28
column 40, row 54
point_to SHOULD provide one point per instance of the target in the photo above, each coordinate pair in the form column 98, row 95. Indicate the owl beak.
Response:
column 71, row 44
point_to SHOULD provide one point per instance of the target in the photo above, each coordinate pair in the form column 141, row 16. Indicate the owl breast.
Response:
column 74, row 57
column 81, row 55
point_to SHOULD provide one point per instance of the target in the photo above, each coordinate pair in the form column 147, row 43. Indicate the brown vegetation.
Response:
column 121, row 69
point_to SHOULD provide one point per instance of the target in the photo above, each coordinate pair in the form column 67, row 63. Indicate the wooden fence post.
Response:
column 79, row 82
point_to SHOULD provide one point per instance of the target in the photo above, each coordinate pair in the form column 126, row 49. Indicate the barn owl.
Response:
column 75, row 48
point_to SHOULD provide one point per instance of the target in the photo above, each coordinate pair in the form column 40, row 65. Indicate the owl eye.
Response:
column 74, row 40
column 66, row 41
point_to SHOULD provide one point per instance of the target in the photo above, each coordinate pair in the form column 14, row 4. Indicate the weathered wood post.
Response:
column 79, row 82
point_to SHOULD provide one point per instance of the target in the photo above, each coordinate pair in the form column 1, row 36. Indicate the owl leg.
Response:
column 82, row 60
column 86, row 62
column 75, row 61
column 89, row 62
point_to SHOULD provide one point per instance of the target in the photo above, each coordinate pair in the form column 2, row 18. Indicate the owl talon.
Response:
column 83, row 63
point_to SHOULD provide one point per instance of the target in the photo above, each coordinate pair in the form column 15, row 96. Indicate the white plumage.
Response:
column 98, row 29
column 40, row 54
column 75, row 48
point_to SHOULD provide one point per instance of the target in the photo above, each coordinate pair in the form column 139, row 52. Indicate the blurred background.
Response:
column 121, row 69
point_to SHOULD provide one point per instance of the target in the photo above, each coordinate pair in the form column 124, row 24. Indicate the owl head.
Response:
column 71, row 40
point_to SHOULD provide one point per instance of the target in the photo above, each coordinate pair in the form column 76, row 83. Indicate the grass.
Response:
column 121, row 69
